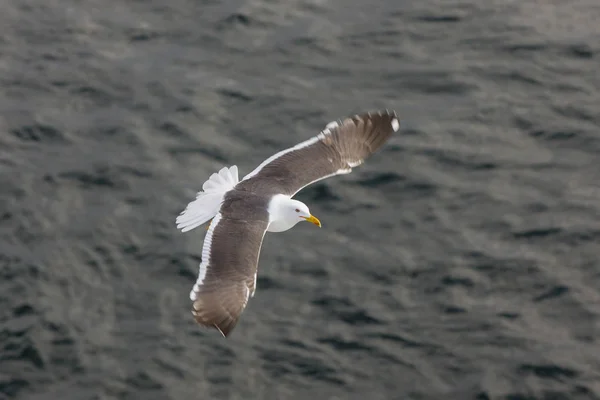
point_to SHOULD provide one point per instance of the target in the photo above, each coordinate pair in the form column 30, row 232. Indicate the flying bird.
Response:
column 241, row 212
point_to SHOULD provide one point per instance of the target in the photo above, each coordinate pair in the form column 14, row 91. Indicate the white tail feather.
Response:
column 208, row 201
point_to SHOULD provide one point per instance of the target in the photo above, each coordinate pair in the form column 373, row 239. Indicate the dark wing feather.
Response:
column 230, row 261
column 336, row 150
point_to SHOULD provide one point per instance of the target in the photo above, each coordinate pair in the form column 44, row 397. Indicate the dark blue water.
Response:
column 460, row 262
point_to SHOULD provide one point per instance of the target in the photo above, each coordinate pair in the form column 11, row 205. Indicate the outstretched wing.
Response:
column 341, row 146
column 227, row 275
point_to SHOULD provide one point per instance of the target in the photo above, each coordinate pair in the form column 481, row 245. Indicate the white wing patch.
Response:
column 332, row 125
column 254, row 286
column 206, row 248
column 208, row 200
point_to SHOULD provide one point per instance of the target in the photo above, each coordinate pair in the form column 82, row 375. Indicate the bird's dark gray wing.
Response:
column 341, row 146
column 227, row 275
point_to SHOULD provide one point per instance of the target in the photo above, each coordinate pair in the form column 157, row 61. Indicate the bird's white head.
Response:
column 299, row 211
column 286, row 213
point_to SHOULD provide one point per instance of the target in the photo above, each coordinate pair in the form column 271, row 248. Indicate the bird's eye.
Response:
column 297, row 210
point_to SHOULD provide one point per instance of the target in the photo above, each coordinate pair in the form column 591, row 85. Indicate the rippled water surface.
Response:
column 459, row 262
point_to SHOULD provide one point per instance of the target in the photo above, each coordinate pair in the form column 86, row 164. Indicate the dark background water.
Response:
column 460, row 262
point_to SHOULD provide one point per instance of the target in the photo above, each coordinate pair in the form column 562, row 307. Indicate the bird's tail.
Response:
column 208, row 200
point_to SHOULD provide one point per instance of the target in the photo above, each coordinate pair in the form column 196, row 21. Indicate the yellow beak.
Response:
column 314, row 220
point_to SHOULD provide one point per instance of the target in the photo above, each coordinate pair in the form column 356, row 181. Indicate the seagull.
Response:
column 241, row 212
